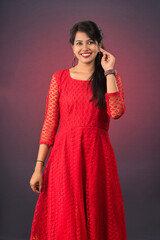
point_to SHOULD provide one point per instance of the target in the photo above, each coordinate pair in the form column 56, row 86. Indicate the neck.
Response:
column 86, row 68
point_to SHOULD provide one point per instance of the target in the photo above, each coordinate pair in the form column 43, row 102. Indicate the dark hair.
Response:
column 99, row 80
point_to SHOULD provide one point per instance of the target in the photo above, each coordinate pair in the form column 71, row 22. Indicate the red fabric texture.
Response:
column 81, row 197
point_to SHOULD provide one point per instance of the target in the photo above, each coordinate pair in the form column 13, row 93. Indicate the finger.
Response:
column 105, row 57
column 40, row 187
column 102, row 50
column 105, row 52
column 35, row 190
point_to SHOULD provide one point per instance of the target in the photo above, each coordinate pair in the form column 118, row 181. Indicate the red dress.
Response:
column 81, row 197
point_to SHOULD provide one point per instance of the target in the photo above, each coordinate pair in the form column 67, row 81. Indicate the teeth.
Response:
column 86, row 54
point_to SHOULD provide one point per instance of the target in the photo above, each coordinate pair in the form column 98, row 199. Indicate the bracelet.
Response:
column 110, row 71
column 41, row 161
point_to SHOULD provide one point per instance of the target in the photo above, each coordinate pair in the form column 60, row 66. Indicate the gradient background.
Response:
column 35, row 44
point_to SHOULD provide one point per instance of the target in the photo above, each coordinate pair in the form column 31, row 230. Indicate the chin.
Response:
column 86, row 60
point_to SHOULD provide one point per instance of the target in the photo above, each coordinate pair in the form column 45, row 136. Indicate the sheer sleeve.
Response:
column 115, row 100
column 52, row 114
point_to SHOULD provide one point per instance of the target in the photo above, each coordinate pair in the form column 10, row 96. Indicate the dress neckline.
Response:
column 78, row 80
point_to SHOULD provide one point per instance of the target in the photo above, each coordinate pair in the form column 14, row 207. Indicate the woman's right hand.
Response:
column 36, row 180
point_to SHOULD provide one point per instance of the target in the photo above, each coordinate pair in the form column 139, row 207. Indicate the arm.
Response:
column 48, row 132
column 52, row 114
column 114, row 96
column 42, row 154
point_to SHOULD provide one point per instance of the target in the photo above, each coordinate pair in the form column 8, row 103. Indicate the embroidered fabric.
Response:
column 115, row 100
column 81, row 197
column 52, row 114
column 115, row 109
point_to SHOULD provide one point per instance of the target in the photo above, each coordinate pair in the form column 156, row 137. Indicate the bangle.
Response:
column 110, row 71
column 41, row 161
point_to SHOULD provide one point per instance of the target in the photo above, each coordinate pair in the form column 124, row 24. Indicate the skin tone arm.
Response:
column 111, row 83
column 107, row 62
column 42, row 154
column 37, row 176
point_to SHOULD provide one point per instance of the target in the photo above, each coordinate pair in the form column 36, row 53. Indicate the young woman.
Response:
column 80, row 196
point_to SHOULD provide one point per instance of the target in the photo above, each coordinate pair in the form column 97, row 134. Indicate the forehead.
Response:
column 81, row 36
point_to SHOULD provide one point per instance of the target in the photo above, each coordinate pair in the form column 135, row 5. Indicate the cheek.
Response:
column 94, row 48
column 76, row 49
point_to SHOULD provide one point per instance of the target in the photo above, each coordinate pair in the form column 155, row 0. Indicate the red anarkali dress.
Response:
column 81, row 197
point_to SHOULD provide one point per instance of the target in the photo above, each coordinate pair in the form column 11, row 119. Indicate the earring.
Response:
column 73, row 62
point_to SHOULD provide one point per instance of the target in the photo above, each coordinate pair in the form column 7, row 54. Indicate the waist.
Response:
column 64, row 128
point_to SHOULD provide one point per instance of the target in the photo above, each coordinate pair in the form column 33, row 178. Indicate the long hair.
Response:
column 98, row 78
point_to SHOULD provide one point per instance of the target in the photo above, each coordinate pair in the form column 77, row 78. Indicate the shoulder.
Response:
column 59, row 77
column 60, row 73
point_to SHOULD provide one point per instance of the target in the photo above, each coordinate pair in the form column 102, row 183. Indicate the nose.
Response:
column 85, row 46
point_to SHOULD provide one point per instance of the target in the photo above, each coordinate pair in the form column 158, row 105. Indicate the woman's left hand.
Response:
column 108, row 60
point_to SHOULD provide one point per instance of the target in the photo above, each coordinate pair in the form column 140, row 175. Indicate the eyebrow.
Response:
column 82, row 40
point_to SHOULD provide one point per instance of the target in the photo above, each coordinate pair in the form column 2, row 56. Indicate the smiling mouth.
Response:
column 86, row 54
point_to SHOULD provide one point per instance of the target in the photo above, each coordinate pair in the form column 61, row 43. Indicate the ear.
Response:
column 72, row 47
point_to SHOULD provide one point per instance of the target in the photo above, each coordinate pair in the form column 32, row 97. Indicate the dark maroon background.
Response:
column 35, row 44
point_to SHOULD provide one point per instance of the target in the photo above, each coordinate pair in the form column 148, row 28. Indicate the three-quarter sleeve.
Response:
column 52, row 113
column 115, row 100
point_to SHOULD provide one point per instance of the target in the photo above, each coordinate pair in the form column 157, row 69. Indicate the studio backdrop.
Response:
column 35, row 44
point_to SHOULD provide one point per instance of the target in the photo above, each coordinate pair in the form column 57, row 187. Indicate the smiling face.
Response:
column 85, row 48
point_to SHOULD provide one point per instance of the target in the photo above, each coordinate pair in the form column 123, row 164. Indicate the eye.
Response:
column 78, row 43
column 90, row 42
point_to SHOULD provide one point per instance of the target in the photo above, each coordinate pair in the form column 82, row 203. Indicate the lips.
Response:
column 86, row 54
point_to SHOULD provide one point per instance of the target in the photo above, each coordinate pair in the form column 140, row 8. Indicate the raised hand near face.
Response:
column 108, row 60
